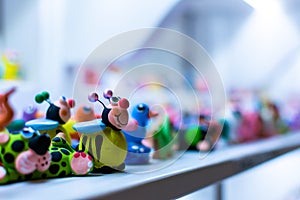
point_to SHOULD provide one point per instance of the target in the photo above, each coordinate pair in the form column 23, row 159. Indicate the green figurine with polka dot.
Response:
column 28, row 155
column 65, row 161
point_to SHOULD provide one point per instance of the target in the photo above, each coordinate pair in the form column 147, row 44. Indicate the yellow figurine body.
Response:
column 108, row 147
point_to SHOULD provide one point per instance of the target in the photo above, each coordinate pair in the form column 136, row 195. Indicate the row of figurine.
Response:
column 56, row 144
column 238, row 125
column 266, row 119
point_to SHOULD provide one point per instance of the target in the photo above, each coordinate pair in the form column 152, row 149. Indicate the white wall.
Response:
column 87, row 25
column 20, row 32
column 52, row 34
column 262, row 52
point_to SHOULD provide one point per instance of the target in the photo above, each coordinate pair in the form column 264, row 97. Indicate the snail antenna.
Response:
column 93, row 97
column 44, row 96
column 102, row 103
column 107, row 94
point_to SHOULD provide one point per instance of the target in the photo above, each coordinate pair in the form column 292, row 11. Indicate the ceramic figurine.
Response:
column 6, row 111
column 273, row 122
column 16, row 154
column 29, row 113
column 138, row 153
column 163, row 140
column 57, row 115
column 11, row 65
column 103, row 137
column 250, row 127
column 16, row 125
column 294, row 122
column 28, row 155
column 204, row 135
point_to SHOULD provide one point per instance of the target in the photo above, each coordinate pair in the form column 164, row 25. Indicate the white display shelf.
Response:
column 191, row 172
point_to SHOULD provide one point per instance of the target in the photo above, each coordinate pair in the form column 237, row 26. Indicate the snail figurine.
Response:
column 103, row 138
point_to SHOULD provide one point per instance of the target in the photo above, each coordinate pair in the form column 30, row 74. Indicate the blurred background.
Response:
column 254, row 45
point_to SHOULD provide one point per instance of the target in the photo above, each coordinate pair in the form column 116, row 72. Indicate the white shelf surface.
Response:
column 164, row 180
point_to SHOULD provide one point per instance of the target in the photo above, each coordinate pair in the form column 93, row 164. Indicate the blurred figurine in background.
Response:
column 29, row 113
column 264, row 123
column 250, row 127
column 6, row 111
column 204, row 135
column 163, row 141
column 273, row 122
column 294, row 122
column 138, row 153
column 11, row 65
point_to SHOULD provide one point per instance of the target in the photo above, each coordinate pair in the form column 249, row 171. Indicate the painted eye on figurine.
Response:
column 87, row 109
column 28, row 132
column 93, row 97
column 107, row 94
column 64, row 98
column 141, row 107
column 114, row 100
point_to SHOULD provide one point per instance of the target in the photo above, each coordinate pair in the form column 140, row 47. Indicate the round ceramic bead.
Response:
column 107, row 94
column 93, row 97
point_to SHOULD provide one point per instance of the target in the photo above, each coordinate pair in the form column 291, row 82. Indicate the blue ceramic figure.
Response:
column 137, row 152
